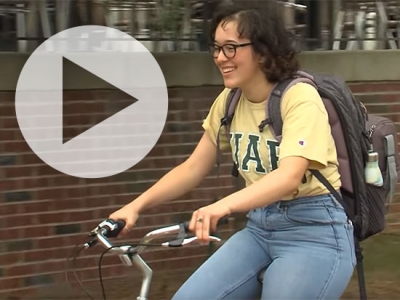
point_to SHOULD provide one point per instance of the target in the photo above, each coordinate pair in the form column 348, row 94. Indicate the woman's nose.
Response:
column 221, row 56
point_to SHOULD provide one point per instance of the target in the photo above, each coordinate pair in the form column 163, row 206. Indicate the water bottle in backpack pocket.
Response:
column 373, row 174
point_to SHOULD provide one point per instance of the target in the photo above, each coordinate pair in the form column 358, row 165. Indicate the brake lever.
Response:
column 183, row 240
column 188, row 241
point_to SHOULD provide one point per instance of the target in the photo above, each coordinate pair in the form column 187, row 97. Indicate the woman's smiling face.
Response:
column 236, row 60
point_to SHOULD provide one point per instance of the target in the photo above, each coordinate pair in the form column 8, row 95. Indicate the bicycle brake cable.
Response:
column 100, row 275
column 74, row 270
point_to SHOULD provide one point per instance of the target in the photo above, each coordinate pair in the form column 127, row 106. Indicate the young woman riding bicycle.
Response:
column 296, row 229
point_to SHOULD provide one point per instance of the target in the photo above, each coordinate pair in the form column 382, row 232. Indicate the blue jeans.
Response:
column 305, row 246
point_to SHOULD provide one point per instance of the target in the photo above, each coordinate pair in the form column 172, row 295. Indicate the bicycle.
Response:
column 130, row 254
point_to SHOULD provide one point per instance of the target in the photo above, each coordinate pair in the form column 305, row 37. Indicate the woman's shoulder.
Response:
column 302, row 90
column 301, row 94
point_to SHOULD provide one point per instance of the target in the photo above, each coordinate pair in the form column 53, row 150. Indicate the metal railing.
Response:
column 368, row 25
column 181, row 25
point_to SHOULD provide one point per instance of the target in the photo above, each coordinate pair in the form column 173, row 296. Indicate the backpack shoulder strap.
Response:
column 273, row 107
column 230, row 106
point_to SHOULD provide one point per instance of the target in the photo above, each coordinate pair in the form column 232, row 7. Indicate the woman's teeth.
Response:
column 227, row 70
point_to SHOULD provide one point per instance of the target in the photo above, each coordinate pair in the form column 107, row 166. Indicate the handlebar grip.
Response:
column 121, row 225
column 220, row 222
column 186, row 225
column 113, row 228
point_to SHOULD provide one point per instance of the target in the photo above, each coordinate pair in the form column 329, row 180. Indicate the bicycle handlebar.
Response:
column 129, row 254
column 110, row 229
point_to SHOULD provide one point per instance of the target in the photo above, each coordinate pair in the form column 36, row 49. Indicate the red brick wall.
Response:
column 43, row 213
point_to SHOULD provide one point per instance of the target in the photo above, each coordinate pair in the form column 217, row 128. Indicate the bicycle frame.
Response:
column 130, row 255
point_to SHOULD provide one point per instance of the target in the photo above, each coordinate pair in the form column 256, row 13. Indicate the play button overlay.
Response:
column 76, row 69
column 133, row 114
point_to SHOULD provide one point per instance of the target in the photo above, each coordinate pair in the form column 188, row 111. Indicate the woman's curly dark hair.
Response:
column 264, row 27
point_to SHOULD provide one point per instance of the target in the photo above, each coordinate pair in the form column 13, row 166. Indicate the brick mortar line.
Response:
column 89, row 209
column 382, row 104
column 127, row 171
column 373, row 93
column 188, row 121
column 108, row 184
column 387, row 114
column 143, row 216
column 98, row 220
column 147, row 158
column 116, row 182
column 91, row 197
column 187, row 200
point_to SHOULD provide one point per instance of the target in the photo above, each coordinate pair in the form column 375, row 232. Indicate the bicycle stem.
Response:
column 147, row 275
column 128, row 260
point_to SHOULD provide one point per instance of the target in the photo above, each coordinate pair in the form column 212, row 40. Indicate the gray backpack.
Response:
column 356, row 133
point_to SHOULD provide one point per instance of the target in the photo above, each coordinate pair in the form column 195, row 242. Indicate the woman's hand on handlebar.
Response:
column 205, row 219
column 129, row 214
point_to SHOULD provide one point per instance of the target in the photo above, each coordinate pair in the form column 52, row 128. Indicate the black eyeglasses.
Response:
column 229, row 50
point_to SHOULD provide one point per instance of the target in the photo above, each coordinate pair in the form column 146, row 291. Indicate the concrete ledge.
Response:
column 355, row 66
column 198, row 69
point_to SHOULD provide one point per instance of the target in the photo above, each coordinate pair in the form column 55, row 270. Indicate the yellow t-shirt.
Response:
column 306, row 132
